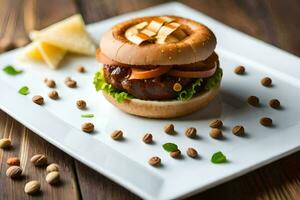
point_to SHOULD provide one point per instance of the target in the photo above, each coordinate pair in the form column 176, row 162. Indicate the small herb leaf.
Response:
column 170, row 147
column 10, row 70
column 218, row 157
column 88, row 115
column 24, row 90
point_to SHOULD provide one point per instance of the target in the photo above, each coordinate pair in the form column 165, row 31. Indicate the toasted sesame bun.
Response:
column 164, row 109
column 198, row 44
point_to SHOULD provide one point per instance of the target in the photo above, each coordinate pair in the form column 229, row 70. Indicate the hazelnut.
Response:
column 253, row 100
column 70, row 82
column 215, row 133
column 81, row 69
column 238, row 130
column 175, row 154
column 148, row 138
column 216, row 123
column 50, row 83
column 52, row 167
column 266, row 121
column 87, row 127
column 38, row 99
column 5, row 143
column 32, row 187
column 266, row 81
column 53, row 95
column 52, row 177
column 191, row 152
column 81, row 104
column 169, row 129
column 239, row 70
column 154, row 161
column 14, row 172
column 274, row 103
column 191, row 132
column 39, row 160
column 13, row 161
column 117, row 135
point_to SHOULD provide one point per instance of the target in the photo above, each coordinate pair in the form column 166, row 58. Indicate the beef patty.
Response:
column 159, row 88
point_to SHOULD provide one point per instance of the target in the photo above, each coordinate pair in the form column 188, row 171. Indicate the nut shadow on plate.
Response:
column 215, row 109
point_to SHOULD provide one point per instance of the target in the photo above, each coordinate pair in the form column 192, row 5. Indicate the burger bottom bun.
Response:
column 164, row 109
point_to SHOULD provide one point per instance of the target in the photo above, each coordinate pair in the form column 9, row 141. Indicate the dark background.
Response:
column 276, row 22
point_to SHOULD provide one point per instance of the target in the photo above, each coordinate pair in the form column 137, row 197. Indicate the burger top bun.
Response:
column 158, row 40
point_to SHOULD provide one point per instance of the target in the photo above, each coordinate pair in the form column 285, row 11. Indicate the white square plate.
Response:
column 126, row 162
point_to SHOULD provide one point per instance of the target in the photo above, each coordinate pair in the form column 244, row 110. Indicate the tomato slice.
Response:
column 193, row 74
column 145, row 74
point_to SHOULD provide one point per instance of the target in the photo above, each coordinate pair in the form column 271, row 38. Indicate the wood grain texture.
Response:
column 25, row 145
column 274, row 21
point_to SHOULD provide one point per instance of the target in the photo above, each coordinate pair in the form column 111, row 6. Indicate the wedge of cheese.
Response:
column 31, row 51
column 44, row 52
column 69, row 34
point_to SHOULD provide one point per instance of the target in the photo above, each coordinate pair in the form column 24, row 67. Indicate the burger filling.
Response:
column 178, row 82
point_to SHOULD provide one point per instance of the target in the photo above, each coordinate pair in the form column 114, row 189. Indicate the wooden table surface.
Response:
column 276, row 22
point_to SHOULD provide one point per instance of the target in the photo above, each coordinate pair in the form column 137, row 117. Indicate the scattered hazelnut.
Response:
column 238, row 130
column 14, row 172
column 191, row 132
column 274, row 103
column 5, row 143
column 215, row 133
column 32, row 187
column 117, row 135
column 52, row 167
column 52, row 177
column 13, row 161
column 70, row 82
column 253, row 100
column 39, row 160
column 175, row 154
column 239, row 70
column 81, row 104
column 266, row 121
column 266, row 81
column 50, row 83
column 191, row 152
column 53, row 95
column 87, row 127
column 169, row 129
column 154, row 161
column 81, row 69
column 148, row 138
column 38, row 99
column 216, row 123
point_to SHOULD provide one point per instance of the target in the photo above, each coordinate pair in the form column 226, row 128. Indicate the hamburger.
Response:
column 158, row 66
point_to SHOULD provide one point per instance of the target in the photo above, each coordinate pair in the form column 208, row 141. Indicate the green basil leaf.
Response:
column 10, row 70
column 101, row 84
column 87, row 115
column 218, row 157
column 24, row 90
column 170, row 147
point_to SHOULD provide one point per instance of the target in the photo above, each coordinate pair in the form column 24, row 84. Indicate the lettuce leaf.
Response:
column 101, row 84
column 215, row 80
column 189, row 92
column 211, row 83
